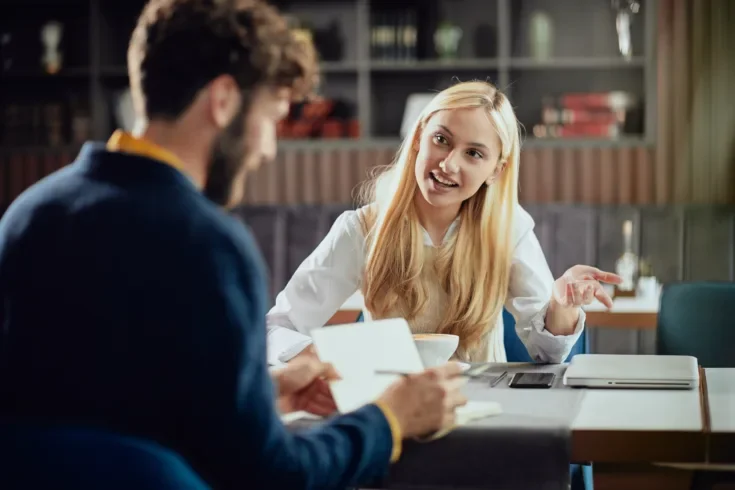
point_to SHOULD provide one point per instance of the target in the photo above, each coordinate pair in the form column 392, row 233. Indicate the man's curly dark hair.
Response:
column 179, row 46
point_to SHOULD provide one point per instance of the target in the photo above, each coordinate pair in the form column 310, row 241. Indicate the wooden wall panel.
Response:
column 708, row 235
column 588, row 175
column 661, row 241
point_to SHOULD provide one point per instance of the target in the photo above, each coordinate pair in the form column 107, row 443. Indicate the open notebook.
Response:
column 359, row 350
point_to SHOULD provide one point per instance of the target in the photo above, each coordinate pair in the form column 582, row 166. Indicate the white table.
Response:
column 639, row 410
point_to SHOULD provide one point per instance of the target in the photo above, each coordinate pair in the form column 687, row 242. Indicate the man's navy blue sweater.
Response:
column 130, row 302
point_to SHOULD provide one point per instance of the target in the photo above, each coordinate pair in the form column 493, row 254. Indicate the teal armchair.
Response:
column 698, row 319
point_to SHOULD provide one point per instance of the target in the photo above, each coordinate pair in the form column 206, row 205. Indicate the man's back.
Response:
column 131, row 303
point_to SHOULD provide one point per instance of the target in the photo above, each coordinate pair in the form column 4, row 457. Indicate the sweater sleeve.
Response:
column 247, row 445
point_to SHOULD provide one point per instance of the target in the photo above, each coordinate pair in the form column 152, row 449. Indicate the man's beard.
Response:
column 227, row 161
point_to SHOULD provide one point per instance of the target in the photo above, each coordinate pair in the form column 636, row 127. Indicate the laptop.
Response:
column 632, row 371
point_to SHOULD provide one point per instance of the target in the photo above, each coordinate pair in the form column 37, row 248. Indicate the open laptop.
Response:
column 632, row 371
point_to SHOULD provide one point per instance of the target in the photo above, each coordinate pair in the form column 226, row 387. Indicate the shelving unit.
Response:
column 585, row 58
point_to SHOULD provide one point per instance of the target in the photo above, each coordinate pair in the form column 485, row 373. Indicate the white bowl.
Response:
column 435, row 349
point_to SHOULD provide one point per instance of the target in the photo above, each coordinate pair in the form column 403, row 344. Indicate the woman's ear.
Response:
column 416, row 141
column 496, row 173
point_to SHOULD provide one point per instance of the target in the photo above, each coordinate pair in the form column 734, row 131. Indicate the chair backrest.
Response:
column 515, row 351
column 698, row 319
column 86, row 459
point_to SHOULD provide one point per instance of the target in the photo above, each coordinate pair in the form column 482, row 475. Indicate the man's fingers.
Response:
column 448, row 370
column 316, row 400
column 454, row 399
column 321, row 409
column 329, row 372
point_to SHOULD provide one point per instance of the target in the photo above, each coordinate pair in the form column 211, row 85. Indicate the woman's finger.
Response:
column 589, row 293
column 603, row 297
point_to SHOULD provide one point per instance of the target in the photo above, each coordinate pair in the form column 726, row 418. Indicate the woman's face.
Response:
column 458, row 153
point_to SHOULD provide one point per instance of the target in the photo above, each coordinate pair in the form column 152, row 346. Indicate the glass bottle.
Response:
column 627, row 265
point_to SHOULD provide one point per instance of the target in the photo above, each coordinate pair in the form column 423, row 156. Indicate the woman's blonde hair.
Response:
column 474, row 263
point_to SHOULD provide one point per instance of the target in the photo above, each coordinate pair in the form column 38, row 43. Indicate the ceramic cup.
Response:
column 435, row 349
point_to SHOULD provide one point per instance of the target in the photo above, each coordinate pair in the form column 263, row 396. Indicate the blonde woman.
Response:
column 443, row 243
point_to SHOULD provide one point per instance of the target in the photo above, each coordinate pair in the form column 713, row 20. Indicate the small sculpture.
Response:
column 51, row 38
column 625, row 9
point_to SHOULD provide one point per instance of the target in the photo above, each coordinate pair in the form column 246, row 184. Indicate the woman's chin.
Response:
column 439, row 200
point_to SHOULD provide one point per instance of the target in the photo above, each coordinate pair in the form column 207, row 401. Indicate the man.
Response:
column 131, row 302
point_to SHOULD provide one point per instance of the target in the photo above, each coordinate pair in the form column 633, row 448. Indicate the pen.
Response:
column 472, row 373
column 498, row 379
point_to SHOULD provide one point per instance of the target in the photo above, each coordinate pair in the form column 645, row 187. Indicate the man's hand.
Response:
column 425, row 403
column 308, row 351
column 303, row 384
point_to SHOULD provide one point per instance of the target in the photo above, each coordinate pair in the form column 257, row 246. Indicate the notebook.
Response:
column 359, row 350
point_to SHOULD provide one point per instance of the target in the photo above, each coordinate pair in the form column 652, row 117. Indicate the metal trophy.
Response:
column 625, row 9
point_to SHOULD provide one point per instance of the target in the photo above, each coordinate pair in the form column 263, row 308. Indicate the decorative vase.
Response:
column 540, row 35
column 446, row 40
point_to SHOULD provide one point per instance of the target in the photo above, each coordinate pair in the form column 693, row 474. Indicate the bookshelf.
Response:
column 495, row 45
column 584, row 58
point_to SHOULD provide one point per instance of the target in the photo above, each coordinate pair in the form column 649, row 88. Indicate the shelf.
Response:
column 338, row 144
column 622, row 142
column 577, row 63
column 114, row 71
column 26, row 73
column 434, row 65
column 326, row 67
column 338, row 67
column 393, row 143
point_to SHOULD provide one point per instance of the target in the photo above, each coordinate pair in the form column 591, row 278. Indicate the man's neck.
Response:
column 189, row 150
column 436, row 221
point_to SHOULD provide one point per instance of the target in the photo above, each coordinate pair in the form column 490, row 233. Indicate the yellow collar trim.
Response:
column 125, row 142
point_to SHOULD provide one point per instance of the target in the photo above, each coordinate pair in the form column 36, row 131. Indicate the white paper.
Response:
column 359, row 350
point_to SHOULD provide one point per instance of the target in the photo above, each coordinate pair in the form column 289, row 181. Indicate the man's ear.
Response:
column 224, row 100
column 496, row 173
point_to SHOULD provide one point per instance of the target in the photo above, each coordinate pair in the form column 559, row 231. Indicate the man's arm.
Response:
column 243, row 441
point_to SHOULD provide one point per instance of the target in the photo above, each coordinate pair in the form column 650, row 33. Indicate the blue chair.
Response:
column 516, row 351
column 696, row 319
column 88, row 459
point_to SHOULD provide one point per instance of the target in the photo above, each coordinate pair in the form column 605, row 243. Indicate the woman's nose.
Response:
column 449, row 165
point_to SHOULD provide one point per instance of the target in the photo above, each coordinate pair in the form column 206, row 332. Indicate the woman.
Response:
column 444, row 244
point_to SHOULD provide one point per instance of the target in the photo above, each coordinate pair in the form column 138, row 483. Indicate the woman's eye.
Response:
column 474, row 154
column 438, row 138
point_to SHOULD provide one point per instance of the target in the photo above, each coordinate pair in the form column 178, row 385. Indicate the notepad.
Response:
column 359, row 350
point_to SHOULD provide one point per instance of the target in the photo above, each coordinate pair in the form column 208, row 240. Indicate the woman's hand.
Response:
column 578, row 286
column 581, row 284
column 303, row 384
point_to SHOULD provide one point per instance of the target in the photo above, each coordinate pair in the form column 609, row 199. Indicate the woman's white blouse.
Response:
column 333, row 273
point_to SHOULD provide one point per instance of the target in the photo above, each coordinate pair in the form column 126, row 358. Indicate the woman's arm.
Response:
column 318, row 288
column 530, row 297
